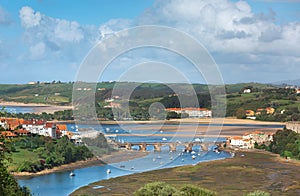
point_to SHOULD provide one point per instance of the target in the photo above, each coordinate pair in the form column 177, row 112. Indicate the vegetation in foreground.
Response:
column 8, row 185
column 238, row 176
column 164, row 189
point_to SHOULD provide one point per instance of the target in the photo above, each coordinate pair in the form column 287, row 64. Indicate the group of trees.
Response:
column 8, row 184
column 58, row 115
column 286, row 143
column 164, row 189
column 51, row 153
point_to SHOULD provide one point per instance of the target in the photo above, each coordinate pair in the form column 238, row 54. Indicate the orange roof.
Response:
column 8, row 134
column 257, row 132
column 33, row 122
column 22, row 131
column 61, row 127
column 237, row 137
column 49, row 125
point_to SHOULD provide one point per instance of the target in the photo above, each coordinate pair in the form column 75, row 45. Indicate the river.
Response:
column 61, row 183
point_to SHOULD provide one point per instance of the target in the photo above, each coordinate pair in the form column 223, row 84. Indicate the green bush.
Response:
column 191, row 190
column 156, row 189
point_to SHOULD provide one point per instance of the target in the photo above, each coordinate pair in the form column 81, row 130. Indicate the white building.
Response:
column 192, row 112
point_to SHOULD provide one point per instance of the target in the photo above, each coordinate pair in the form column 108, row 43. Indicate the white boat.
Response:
column 72, row 174
column 108, row 171
column 164, row 139
column 197, row 140
column 193, row 152
column 193, row 157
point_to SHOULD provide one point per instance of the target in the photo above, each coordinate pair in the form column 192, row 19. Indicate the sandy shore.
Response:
column 114, row 157
column 37, row 107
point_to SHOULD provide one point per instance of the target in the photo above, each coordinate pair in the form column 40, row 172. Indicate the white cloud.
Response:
column 68, row 31
column 38, row 50
column 230, row 30
column 29, row 18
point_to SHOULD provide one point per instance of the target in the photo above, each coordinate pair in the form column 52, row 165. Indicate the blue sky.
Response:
column 251, row 41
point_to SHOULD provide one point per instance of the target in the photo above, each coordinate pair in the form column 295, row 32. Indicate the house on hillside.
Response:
column 247, row 90
column 250, row 113
column 22, row 132
column 192, row 112
column 34, row 126
column 49, row 130
column 8, row 134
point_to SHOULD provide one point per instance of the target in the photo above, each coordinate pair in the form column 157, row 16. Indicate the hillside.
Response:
column 144, row 94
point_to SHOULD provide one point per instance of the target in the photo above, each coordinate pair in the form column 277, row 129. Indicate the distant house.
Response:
column 192, row 112
column 8, row 134
column 61, row 130
column 9, row 123
column 270, row 110
column 50, row 130
column 113, row 105
column 250, row 113
column 247, row 90
column 236, row 141
column 34, row 126
column 21, row 132
column 298, row 91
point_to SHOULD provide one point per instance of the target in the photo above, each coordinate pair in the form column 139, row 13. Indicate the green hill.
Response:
column 142, row 95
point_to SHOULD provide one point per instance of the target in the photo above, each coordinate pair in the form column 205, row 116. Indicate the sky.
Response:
column 250, row 41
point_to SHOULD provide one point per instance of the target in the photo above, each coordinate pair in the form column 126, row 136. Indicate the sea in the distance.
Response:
column 17, row 109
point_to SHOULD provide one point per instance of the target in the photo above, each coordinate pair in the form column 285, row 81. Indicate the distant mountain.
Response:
column 288, row 82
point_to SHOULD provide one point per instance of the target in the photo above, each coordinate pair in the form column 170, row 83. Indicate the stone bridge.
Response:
column 188, row 146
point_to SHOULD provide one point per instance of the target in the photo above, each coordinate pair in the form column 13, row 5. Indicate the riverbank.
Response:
column 37, row 107
column 114, row 157
column 246, row 172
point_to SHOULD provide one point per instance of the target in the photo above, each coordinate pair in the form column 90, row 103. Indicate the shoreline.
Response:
column 114, row 157
column 37, row 108
column 247, row 166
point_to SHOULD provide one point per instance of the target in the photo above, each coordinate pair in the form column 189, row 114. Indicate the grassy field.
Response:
column 20, row 156
column 247, row 172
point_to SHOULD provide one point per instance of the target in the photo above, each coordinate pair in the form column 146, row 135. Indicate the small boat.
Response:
column 164, row 139
column 182, row 160
column 132, row 168
column 108, row 171
column 193, row 157
column 122, row 166
column 197, row 140
column 193, row 152
column 72, row 174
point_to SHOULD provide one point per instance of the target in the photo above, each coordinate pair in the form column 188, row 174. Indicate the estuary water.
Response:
column 18, row 109
column 61, row 183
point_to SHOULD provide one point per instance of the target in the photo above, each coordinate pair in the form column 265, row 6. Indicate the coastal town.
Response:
column 142, row 98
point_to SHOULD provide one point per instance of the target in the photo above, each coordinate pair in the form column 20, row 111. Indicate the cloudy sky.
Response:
column 250, row 41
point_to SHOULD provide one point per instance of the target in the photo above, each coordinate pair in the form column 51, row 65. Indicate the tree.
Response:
column 156, row 189
column 8, row 185
column 241, row 113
